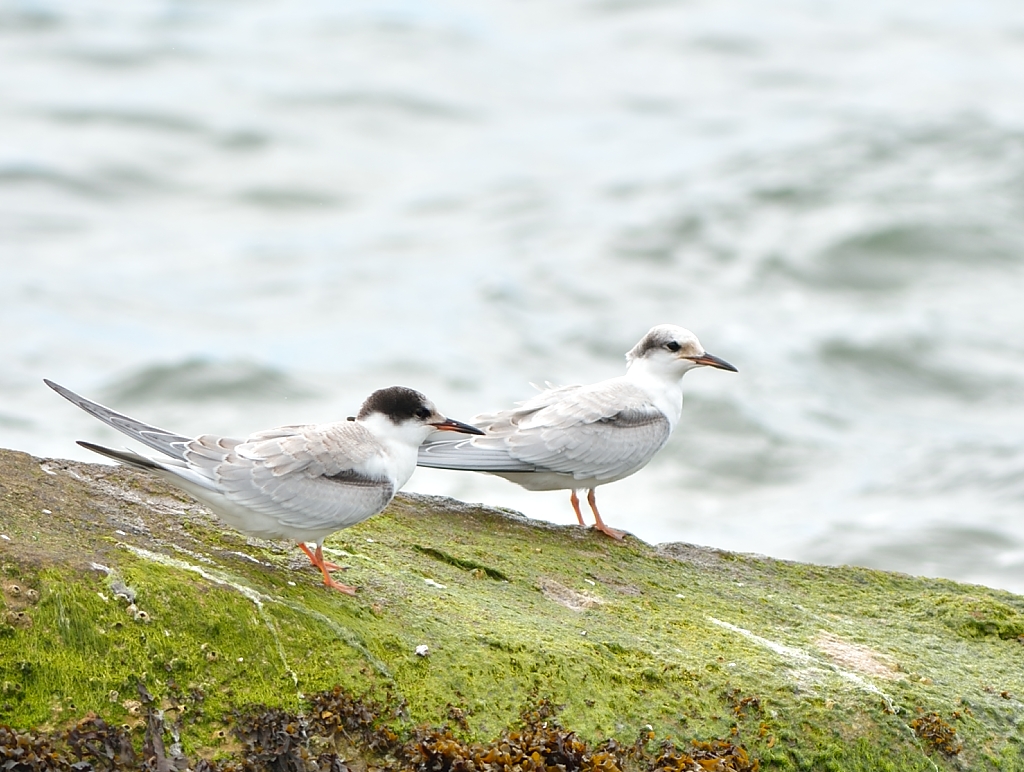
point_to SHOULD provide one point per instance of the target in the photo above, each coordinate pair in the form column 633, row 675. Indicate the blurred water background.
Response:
column 224, row 216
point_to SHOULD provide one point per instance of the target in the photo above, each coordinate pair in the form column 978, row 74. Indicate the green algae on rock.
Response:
column 110, row 579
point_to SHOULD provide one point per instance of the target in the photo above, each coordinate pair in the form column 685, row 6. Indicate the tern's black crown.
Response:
column 396, row 402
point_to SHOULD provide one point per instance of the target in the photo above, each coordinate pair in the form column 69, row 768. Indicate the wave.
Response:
column 206, row 380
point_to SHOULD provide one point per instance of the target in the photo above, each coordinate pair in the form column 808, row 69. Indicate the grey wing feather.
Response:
column 159, row 439
column 470, row 456
column 124, row 456
column 603, row 431
column 491, row 453
column 302, row 476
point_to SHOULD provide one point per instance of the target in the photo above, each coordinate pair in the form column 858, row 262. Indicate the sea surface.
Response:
column 225, row 216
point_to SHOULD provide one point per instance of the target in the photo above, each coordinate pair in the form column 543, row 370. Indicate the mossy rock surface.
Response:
column 110, row 578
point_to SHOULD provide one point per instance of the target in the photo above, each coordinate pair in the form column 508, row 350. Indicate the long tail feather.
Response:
column 123, row 456
column 166, row 442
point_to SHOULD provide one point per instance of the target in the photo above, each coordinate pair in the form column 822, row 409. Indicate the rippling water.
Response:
column 225, row 216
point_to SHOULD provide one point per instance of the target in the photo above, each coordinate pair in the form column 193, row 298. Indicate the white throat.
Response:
column 663, row 381
column 401, row 443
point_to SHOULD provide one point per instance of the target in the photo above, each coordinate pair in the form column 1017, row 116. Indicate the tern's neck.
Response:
column 665, row 385
column 400, row 442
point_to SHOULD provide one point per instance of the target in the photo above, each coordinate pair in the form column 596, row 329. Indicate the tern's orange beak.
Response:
column 451, row 425
column 713, row 361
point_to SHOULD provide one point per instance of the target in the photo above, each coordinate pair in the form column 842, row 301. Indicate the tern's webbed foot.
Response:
column 613, row 532
column 317, row 558
column 328, row 582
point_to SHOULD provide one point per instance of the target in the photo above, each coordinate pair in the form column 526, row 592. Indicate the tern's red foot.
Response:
column 318, row 561
column 328, row 582
column 608, row 531
column 599, row 523
column 312, row 559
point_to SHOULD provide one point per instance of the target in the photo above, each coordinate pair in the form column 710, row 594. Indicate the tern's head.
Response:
column 671, row 351
column 407, row 415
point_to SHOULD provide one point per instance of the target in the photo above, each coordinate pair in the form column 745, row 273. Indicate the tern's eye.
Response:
column 422, row 412
column 672, row 346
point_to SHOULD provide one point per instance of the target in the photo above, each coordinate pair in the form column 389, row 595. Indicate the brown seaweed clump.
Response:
column 91, row 745
column 939, row 734
column 107, row 747
column 340, row 726
column 28, row 752
column 539, row 744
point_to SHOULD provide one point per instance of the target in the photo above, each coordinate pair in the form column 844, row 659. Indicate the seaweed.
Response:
column 273, row 740
column 938, row 733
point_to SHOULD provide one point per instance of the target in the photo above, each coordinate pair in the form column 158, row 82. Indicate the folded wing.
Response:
column 309, row 477
column 604, row 431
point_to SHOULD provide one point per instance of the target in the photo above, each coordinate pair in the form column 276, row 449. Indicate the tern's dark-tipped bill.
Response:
column 713, row 361
column 451, row 425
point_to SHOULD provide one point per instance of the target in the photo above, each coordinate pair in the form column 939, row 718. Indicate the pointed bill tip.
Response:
column 451, row 425
column 712, row 361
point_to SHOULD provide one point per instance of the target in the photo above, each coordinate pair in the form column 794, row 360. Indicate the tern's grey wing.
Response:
column 304, row 477
column 162, row 440
column 468, row 455
column 491, row 453
column 604, row 431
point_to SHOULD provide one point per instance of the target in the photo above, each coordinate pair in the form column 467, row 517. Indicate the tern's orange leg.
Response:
column 318, row 561
column 575, row 501
column 327, row 564
column 592, row 501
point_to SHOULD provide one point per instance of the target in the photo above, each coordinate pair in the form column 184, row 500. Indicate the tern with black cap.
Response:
column 294, row 482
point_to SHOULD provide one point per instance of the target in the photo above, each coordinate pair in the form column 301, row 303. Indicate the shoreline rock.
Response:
column 110, row 577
